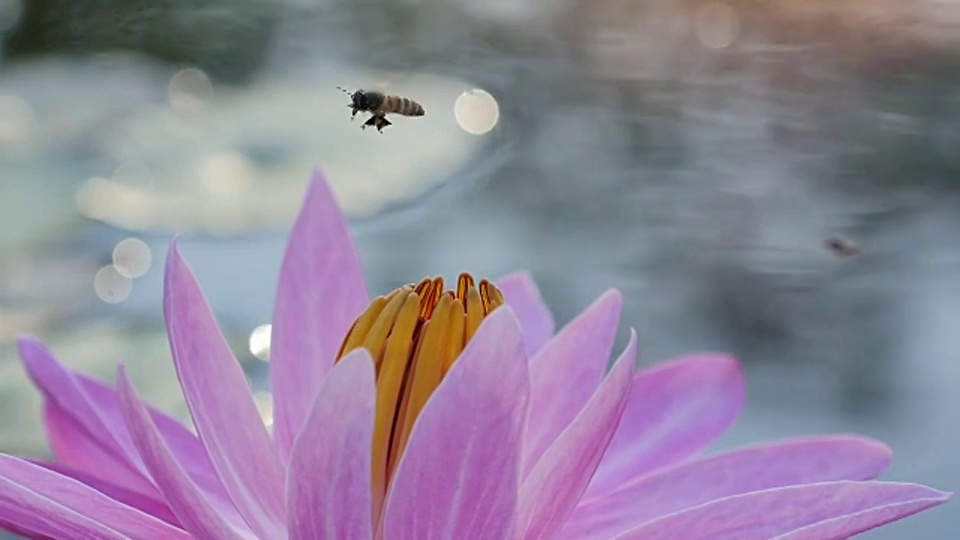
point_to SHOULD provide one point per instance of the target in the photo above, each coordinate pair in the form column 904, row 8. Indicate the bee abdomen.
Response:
column 404, row 106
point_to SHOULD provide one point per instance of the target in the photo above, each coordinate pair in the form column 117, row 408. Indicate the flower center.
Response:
column 414, row 335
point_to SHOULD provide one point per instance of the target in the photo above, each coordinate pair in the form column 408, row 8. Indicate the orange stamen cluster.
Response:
column 414, row 335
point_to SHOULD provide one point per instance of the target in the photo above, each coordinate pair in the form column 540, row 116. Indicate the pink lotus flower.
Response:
column 426, row 414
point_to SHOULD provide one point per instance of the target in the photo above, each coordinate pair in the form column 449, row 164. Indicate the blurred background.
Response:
column 696, row 154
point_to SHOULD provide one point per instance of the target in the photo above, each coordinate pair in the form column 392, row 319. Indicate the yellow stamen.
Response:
column 389, row 383
column 376, row 340
column 361, row 327
column 414, row 334
column 454, row 345
column 475, row 313
column 427, row 368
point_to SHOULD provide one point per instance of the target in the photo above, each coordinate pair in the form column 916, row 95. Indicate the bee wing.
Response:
column 392, row 79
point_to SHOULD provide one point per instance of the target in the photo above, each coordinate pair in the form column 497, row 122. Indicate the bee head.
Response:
column 367, row 100
column 360, row 100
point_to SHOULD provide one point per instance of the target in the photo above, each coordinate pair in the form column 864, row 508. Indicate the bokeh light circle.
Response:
column 260, row 342
column 476, row 111
column 132, row 257
column 190, row 91
column 111, row 286
column 717, row 25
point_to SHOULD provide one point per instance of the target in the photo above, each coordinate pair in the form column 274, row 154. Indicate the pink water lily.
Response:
column 427, row 414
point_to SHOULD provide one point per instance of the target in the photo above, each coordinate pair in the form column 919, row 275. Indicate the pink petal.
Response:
column 676, row 409
column 522, row 294
column 20, row 531
column 30, row 493
column 31, row 515
column 458, row 477
column 220, row 402
column 90, row 443
column 197, row 514
column 838, row 509
column 558, row 481
column 78, row 433
column 844, row 527
column 756, row 468
column 74, row 446
column 183, row 443
column 328, row 486
column 566, row 373
column 154, row 506
column 321, row 292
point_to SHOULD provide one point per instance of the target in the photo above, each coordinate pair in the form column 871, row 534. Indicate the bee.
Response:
column 379, row 105
column 842, row 247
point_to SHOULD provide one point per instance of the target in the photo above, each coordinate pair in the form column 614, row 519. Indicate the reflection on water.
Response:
column 698, row 155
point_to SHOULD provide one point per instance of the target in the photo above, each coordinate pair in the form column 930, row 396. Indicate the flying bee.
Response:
column 379, row 105
column 842, row 247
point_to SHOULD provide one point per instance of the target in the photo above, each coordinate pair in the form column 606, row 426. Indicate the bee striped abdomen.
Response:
column 402, row 105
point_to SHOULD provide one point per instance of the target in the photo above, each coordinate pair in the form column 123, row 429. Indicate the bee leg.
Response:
column 371, row 122
column 382, row 124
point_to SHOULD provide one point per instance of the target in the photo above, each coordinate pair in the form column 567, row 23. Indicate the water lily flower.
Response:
column 426, row 414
